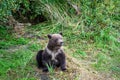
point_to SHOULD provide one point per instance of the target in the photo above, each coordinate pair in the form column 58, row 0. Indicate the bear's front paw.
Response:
column 45, row 70
column 63, row 69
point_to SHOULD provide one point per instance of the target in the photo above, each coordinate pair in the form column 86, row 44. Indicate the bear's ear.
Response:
column 61, row 33
column 49, row 36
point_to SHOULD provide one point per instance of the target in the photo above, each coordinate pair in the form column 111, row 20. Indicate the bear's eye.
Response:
column 56, row 40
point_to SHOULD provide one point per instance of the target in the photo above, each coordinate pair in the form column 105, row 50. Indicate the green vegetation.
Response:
column 50, row 69
column 9, row 40
column 92, row 36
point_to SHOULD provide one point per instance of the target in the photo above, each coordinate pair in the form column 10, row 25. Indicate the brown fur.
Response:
column 53, row 55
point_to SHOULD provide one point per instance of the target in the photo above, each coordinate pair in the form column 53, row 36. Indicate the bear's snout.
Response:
column 60, row 42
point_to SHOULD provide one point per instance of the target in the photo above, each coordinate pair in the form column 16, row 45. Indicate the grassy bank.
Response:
column 92, row 41
column 18, row 57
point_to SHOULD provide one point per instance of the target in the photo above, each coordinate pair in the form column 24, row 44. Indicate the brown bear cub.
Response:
column 53, row 55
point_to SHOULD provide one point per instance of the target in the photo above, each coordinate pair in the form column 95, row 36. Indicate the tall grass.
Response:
column 99, row 21
column 96, row 20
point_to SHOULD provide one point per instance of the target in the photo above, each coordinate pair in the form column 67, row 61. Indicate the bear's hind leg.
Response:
column 39, row 59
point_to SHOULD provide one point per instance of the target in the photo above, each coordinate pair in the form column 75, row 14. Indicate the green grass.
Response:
column 11, row 61
column 15, row 54
column 104, row 48
column 8, row 39
column 34, row 47
column 92, row 37
column 19, row 62
column 50, row 69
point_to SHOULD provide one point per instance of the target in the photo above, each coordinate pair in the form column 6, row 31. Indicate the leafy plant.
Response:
column 50, row 68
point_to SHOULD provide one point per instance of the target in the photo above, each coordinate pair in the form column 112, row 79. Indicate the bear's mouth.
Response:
column 59, row 45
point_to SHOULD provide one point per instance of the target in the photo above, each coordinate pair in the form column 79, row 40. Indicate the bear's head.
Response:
column 55, row 41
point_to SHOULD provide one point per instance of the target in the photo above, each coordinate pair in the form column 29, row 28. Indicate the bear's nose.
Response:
column 61, row 43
